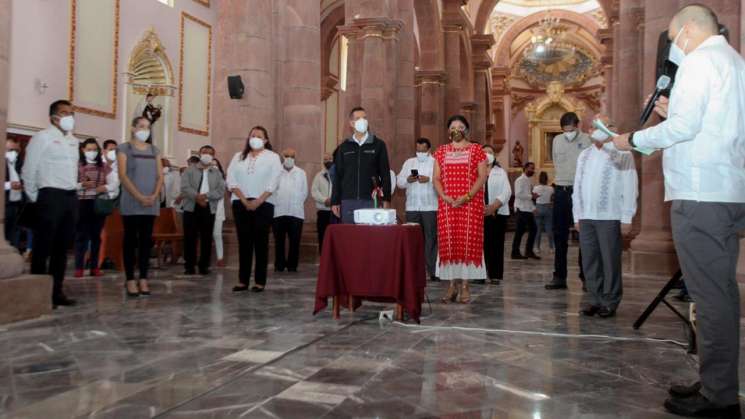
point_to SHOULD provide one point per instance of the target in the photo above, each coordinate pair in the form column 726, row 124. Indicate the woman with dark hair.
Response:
column 497, row 193
column 459, row 175
column 141, row 176
column 253, row 177
column 219, row 220
column 544, row 212
column 92, row 176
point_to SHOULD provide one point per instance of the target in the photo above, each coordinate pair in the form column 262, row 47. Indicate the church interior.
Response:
column 217, row 68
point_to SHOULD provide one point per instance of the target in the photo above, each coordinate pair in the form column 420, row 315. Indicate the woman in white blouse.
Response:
column 253, row 176
column 497, row 193
column 544, row 212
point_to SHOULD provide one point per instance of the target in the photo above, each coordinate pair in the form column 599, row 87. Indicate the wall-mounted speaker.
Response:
column 235, row 87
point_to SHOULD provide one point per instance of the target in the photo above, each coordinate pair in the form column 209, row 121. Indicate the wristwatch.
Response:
column 631, row 140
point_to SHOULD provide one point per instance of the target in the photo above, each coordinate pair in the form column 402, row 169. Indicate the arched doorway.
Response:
column 149, row 71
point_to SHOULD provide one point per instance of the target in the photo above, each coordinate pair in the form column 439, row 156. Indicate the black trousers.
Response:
column 494, row 230
column 54, row 233
column 323, row 219
column 198, row 225
column 563, row 221
column 287, row 257
column 138, row 240
column 525, row 223
column 12, row 231
column 252, row 228
column 88, row 234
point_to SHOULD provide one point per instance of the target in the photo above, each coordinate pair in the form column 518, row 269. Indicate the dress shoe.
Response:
column 293, row 270
column 279, row 270
column 555, row 286
column 698, row 406
column 204, row 272
column 257, row 288
column 533, row 256
column 240, row 288
column 190, row 272
column 63, row 301
column 683, row 297
column 606, row 312
column 682, row 391
column 434, row 278
column 590, row 310
column 479, row 281
column 494, row 281
column 78, row 273
column 519, row 257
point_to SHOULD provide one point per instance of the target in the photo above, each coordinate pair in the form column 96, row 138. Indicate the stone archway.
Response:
column 486, row 7
column 150, row 71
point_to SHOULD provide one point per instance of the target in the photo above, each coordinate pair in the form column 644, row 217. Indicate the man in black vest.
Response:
column 13, row 191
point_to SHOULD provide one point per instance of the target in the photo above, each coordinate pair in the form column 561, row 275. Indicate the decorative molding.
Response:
column 149, row 62
column 71, row 65
column 430, row 77
column 384, row 28
column 205, row 132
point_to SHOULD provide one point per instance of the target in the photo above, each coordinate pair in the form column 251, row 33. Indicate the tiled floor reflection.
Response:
column 194, row 350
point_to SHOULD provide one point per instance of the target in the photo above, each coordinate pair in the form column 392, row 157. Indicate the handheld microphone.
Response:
column 662, row 84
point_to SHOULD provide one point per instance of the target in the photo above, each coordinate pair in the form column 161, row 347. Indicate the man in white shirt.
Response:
column 703, row 162
column 497, row 193
column 565, row 150
column 321, row 193
column 13, row 191
column 112, row 179
column 289, row 213
column 421, row 199
column 604, row 203
column 525, row 207
column 50, row 180
column 171, row 184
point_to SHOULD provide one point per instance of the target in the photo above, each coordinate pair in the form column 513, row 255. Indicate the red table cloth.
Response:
column 375, row 263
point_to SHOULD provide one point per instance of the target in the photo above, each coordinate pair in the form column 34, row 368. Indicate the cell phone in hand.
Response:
column 415, row 172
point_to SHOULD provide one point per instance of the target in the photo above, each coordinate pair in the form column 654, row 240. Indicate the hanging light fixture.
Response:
column 547, row 45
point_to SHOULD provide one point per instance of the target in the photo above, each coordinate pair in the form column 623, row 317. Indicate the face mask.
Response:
column 676, row 53
column 111, row 155
column 166, row 170
column 289, row 162
column 206, row 159
column 91, row 155
column 570, row 135
column 490, row 159
column 599, row 136
column 142, row 135
column 360, row 125
column 67, row 123
column 11, row 155
column 457, row 135
column 256, row 143
column 422, row 157
column 328, row 164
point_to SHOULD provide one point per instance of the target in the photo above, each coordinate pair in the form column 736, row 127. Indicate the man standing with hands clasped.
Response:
column 703, row 140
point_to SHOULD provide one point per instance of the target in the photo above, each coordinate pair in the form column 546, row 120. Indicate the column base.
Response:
column 25, row 297
column 653, row 263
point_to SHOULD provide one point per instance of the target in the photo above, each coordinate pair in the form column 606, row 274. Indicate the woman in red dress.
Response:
column 459, row 175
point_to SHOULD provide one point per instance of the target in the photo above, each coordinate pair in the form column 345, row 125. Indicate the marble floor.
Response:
column 195, row 350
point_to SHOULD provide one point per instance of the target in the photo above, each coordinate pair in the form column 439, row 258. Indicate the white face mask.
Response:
column 360, row 125
column 570, row 135
column 599, row 136
column 289, row 162
column 111, row 155
column 166, row 170
column 422, row 156
column 67, row 123
column 11, row 155
column 91, row 156
column 677, row 54
column 256, row 143
column 206, row 159
column 142, row 135
column 490, row 159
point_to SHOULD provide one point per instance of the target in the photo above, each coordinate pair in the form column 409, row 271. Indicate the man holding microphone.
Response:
column 703, row 139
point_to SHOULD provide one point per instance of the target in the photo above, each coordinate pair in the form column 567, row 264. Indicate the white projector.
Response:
column 375, row 216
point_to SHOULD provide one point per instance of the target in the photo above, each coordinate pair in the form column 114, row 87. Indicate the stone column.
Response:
column 432, row 114
column 501, row 110
column 402, row 146
column 453, row 26
column 482, row 62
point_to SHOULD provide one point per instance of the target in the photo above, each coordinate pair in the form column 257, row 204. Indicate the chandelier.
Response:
column 547, row 45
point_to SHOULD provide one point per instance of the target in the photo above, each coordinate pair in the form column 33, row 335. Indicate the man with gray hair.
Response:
column 703, row 139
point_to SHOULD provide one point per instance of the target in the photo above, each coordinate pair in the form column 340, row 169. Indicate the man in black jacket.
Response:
column 360, row 163
column 13, row 190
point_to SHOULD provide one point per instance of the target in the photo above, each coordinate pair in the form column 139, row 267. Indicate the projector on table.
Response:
column 375, row 216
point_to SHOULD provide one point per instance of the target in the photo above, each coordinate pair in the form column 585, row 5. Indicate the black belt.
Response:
column 60, row 191
column 564, row 188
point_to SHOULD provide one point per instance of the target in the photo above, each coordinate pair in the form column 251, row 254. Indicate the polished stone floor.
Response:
column 195, row 350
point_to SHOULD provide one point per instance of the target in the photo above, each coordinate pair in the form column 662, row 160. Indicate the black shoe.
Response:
column 62, row 301
column 479, row 281
column 683, row 297
column 204, row 272
column 240, row 288
column 700, row 407
column 682, row 391
column 606, row 312
column 190, row 272
column 590, row 310
column 434, row 278
column 533, row 256
column 495, row 281
column 130, row 294
column 555, row 286
column 279, row 270
column 257, row 288
column 293, row 270
column 519, row 257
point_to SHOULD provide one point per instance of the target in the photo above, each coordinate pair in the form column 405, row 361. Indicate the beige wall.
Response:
column 39, row 52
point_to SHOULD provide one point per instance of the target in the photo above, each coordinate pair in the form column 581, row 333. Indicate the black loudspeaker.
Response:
column 235, row 87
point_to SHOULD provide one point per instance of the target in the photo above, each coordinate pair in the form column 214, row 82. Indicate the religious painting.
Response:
column 548, row 146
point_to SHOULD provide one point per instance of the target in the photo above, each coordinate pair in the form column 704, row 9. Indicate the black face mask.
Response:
column 328, row 164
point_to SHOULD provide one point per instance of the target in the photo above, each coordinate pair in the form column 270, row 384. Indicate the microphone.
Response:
column 662, row 84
